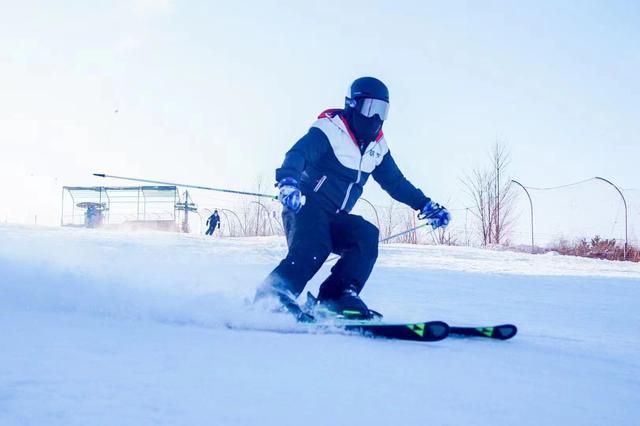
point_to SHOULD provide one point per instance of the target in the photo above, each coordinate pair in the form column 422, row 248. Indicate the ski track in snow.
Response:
column 108, row 328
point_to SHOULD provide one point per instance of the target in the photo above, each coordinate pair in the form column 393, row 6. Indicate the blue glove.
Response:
column 290, row 195
column 436, row 215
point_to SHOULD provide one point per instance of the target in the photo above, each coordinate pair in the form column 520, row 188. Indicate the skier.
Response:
column 93, row 216
column 319, row 182
column 213, row 222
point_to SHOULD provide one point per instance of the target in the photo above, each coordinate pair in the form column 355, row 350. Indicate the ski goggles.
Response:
column 370, row 107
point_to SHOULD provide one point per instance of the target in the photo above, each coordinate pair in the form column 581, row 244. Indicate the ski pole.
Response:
column 157, row 182
column 404, row 232
column 390, row 238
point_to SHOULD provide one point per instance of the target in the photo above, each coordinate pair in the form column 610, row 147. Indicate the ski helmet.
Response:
column 367, row 106
column 369, row 96
column 368, row 87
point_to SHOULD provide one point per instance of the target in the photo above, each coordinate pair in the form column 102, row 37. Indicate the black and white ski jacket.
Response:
column 331, row 167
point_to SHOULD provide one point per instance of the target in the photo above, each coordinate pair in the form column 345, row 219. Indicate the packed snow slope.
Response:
column 101, row 328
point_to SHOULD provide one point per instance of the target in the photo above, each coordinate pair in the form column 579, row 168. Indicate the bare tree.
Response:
column 387, row 223
column 503, row 194
column 407, row 219
column 477, row 186
column 444, row 236
column 490, row 190
column 256, row 215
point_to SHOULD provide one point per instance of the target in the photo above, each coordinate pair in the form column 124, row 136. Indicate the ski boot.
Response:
column 346, row 305
column 286, row 303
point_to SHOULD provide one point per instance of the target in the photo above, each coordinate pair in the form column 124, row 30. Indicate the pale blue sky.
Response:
column 214, row 93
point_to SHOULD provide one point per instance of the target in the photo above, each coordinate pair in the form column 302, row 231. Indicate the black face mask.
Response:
column 365, row 129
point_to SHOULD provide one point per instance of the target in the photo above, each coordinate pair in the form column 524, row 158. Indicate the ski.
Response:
column 429, row 331
column 500, row 332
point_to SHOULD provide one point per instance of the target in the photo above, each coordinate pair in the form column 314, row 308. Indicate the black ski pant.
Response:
column 312, row 235
column 212, row 228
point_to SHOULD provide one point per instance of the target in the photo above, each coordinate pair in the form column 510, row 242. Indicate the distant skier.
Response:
column 213, row 222
column 93, row 216
column 321, row 179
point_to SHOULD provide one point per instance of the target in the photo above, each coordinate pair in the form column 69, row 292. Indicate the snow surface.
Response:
column 101, row 328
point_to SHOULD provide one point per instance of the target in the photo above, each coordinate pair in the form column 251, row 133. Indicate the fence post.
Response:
column 531, row 206
column 374, row 210
column 626, row 236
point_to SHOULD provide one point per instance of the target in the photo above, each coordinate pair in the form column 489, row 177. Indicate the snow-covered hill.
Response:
column 103, row 328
